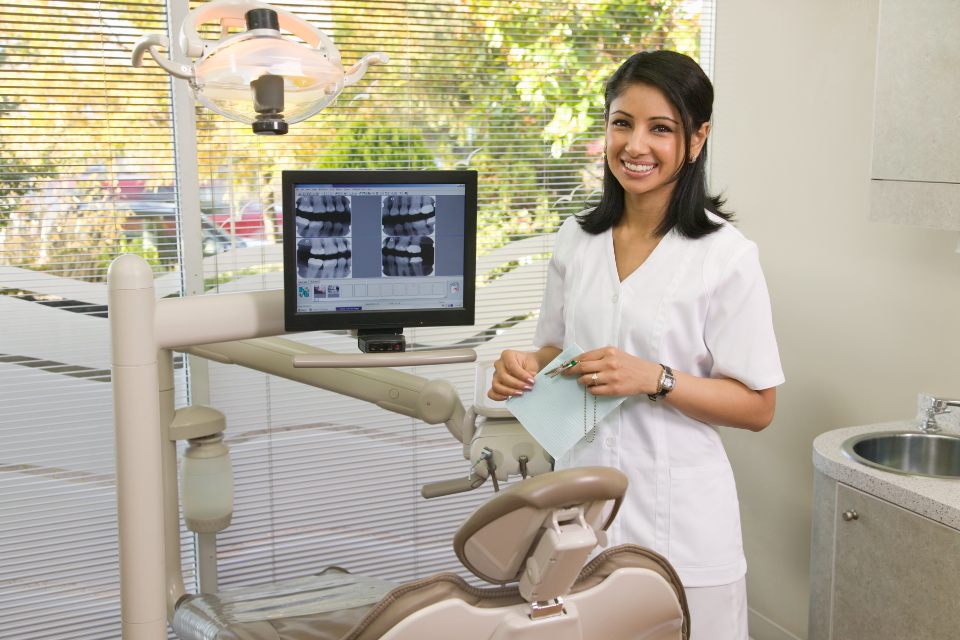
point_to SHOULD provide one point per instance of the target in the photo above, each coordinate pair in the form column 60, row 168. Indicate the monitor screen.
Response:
column 367, row 249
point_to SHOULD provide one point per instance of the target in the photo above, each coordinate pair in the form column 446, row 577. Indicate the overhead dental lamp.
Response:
column 258, row 76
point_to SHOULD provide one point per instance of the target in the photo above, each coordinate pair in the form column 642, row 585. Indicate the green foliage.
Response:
column 74, row 233
column 18, row 173
column 520, row 101
column 137, row 245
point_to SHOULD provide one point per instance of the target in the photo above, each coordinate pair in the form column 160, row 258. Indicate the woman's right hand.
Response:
column 513, row 374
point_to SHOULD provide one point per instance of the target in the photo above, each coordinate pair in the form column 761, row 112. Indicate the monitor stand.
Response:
column 381, row 340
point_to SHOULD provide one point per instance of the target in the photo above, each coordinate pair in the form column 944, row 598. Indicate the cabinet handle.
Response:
column 849, row 515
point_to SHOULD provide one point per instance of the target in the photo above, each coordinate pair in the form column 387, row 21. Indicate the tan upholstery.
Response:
column 373, row 610
column 414, row 596
column 496, row 539
column 372, row 622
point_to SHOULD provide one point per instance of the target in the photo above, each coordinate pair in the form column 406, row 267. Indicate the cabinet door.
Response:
column 896, row 573
column 916, row 168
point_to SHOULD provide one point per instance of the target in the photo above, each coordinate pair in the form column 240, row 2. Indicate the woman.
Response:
column 670, row 304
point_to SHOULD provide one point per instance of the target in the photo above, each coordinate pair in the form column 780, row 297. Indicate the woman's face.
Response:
column 645, row 142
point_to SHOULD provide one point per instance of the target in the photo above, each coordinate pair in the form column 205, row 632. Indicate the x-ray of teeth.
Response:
column 408, row 256
column 408, row 215
column 323, row 216
column 324, row 257
column 321, row 291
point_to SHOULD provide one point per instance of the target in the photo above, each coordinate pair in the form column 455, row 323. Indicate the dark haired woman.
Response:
column 669, row 301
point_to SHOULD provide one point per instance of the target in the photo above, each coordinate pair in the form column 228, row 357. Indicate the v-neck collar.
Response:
column 644, row 266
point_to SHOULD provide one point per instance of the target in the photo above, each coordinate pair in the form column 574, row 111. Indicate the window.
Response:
column 88, row 171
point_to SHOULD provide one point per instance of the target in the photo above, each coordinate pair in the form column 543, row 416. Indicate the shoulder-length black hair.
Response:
column 689, row 90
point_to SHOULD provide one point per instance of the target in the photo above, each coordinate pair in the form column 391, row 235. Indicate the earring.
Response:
column 693, row 159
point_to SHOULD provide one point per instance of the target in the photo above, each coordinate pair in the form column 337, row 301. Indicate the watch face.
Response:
column 668, row 381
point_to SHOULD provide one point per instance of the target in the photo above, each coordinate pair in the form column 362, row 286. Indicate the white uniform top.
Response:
column 701, row 307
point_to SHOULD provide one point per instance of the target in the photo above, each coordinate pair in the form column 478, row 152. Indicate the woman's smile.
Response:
column 641, row 169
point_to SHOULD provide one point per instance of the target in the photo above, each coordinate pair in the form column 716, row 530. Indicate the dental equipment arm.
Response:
column 432, row 401
column 499, row 448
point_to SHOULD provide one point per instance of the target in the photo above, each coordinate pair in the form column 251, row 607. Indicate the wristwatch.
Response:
column 665, row 384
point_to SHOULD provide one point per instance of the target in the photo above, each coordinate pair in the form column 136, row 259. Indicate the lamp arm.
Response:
column 432, row 401
column 354, row 73
column 152, row 43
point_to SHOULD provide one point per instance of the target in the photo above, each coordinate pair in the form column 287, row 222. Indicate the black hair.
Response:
column 687, row 88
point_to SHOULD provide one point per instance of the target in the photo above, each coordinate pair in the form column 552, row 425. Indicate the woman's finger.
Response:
column 506, row 386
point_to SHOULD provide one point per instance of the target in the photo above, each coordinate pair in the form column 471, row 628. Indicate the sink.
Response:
column 933, row 455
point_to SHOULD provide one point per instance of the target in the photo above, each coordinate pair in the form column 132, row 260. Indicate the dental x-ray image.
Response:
column 408, row 215
column 408, row 256
column 323, row 258
column 323, row 216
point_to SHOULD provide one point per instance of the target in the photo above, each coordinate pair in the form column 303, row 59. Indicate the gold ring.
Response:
column 594, row 380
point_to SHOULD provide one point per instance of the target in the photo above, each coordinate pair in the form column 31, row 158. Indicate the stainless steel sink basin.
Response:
column 908, row 452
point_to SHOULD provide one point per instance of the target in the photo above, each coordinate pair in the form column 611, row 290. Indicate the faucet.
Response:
column 936, row 407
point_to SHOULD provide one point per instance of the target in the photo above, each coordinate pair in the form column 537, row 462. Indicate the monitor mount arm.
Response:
column 361, row 376
column 498, row 447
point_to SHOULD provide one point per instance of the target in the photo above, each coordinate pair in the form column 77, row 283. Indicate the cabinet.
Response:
column 880, row 572
column 916, row 169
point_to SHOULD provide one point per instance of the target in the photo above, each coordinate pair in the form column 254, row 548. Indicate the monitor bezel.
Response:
column 332, row 320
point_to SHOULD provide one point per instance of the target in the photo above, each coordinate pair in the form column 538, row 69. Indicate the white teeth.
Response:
column 637, row 167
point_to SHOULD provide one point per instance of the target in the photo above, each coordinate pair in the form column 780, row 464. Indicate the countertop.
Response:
column 935, row 498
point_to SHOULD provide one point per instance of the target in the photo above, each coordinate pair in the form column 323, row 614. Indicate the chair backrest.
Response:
column 497, row 538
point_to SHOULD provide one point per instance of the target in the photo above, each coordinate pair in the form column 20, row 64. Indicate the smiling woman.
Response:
column 657, row 270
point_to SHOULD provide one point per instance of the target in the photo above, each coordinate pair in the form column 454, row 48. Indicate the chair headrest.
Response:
column 496, row 539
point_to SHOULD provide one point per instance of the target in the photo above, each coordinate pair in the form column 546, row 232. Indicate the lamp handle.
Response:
column 231, row 13
column 152, row 43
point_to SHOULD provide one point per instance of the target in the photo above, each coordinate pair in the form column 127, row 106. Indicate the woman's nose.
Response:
column 637, row 143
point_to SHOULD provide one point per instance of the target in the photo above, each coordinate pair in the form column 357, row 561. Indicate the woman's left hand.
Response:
column 612, row 372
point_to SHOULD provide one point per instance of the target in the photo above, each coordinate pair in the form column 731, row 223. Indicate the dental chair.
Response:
column 531, row 540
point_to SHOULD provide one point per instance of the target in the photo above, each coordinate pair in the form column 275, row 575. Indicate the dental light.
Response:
column 258, row 76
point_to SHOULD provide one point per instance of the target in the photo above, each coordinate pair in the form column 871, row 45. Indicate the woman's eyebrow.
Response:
column 630, row 115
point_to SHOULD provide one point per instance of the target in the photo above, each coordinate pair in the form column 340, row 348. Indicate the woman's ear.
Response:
column 697, row 140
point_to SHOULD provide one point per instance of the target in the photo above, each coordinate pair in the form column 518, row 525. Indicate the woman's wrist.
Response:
column 666, row 381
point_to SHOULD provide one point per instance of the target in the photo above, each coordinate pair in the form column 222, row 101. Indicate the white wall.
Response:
column 866, row 313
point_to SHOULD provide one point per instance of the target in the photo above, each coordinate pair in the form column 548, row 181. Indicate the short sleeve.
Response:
column 551, row 326
column 739, row 326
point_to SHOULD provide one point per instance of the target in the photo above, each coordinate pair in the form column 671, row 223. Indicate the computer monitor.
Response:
column 378, row 250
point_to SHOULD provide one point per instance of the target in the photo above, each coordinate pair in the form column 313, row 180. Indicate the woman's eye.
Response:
column 620, row 123
column 662, row 128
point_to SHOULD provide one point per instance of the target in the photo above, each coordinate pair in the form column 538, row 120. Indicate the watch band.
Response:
column 665, row 384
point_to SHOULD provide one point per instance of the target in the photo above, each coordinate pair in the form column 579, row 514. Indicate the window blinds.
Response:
column 513, row 90
column 86, row 172
column 87, row 169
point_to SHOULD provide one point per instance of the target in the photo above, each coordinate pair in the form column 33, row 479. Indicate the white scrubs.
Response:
column 701, row 307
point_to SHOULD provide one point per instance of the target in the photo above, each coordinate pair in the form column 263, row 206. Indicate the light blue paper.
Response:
column 553, row 411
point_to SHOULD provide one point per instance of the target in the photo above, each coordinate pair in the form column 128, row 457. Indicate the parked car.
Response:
column 249, row 223
column 154, row 222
